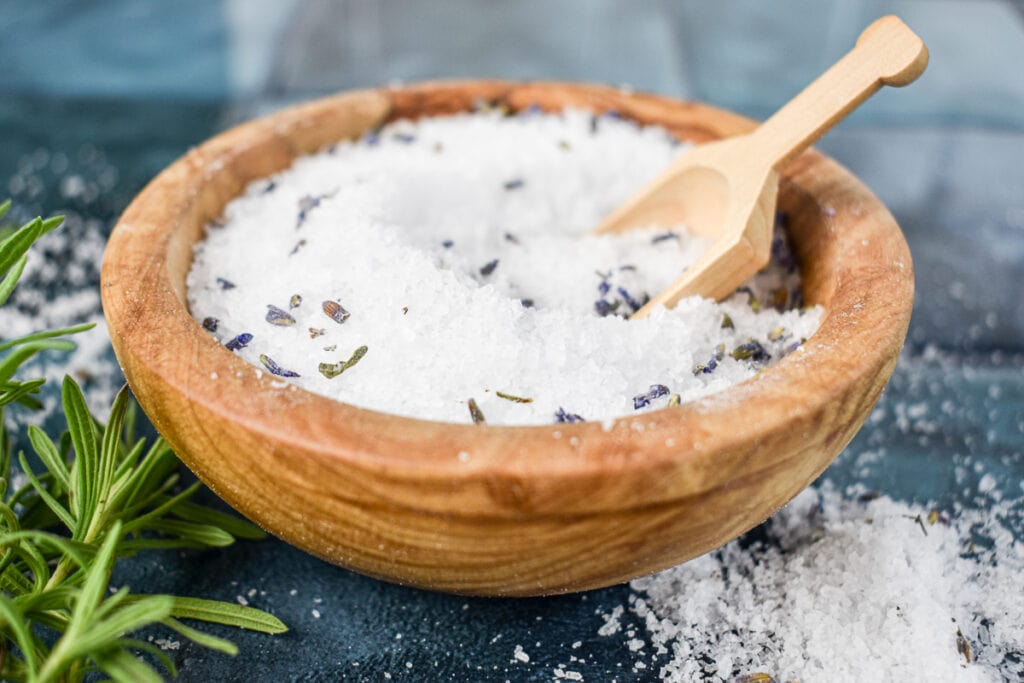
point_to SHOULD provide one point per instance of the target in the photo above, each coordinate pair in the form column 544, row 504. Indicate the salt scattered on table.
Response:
column 445, row 269
column 850, row 586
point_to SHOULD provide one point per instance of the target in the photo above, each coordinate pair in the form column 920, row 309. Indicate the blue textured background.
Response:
column 142, row 81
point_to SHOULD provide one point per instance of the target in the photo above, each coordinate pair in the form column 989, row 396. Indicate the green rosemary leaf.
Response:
column 154, row 651
column 5, row 206
column 237, row 527
column 66, row 518
column 202, row 534
column 50, row 456
column 51, row 600
column 124, row 667
column 19, row 392
column 47, row 334
column 156, row 466
column 228, row 614
column 15, row 246
column 52, row 223
column 10, row 280
column 12, row 361
column 204, row 639
column 19, row 629
column 143, row 521
column 79, row 553
column 85, row 471
column 110, row 446
column 113, row 620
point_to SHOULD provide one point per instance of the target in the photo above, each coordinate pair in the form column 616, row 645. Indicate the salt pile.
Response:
column 451, row 259
column 855, row 587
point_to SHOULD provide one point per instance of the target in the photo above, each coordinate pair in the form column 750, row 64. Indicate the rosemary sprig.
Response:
column 103, row 495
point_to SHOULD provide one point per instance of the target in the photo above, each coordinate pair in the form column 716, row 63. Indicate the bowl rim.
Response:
column 867, row 280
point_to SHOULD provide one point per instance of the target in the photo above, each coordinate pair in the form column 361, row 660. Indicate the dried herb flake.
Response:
column 332, row 370
column 279, row 316
column 239, row 342
column 335, row 311
column 276, row 369
column 644, row 399
column 475, row 413
column 512, row 397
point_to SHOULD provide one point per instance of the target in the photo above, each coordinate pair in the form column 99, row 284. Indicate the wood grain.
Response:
column 533, row 510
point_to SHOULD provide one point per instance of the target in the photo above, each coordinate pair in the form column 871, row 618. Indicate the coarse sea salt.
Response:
column 445, row 269
column 850, row 586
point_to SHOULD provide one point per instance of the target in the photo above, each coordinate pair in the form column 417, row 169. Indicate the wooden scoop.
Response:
column 725, row 190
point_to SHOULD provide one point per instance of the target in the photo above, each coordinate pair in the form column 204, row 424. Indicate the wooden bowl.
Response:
column 531, row 510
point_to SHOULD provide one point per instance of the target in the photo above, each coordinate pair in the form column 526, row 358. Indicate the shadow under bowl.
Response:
column 524, row 510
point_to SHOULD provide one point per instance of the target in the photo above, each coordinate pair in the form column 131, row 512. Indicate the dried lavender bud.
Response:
column 372, row 136
column 630, row 301
column 269, row 187
column 332, row 370
column 644, row 399
column 512, row 397
column 332, row 347
column 665, row 236
column 782, row 254
column 514, row 184
column 225, row 284
column 562, row 416
column 274, row 368
column 674, row 400
column 298, row 245
column 706, row 368
column 604, row 287
column 750, row 350
column 210, row 324
column 475, row 412
column 489, row 267
column 295, row 301
column 309, row 202
column 239, row 342
column 448, row 244
column 790, row 349
column 404, row 138
column 527, row 303
column 316, row 332
column 604, row 308
column 335, row 311
column 510, row 238
column 278, row 316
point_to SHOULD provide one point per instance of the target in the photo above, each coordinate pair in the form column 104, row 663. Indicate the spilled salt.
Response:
column 450, row 259
column 843, row 588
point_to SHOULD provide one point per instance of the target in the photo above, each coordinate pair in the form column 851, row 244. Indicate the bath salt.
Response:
column 848, row 586
column 446, row 269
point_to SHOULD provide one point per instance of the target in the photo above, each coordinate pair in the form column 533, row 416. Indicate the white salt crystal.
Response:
column 520, row 655
column 844, row 590
column 432, row 254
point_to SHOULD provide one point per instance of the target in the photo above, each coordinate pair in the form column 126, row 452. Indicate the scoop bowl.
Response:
column 502, row 510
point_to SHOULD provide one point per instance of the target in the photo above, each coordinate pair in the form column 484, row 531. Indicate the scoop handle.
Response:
column 887, row 53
